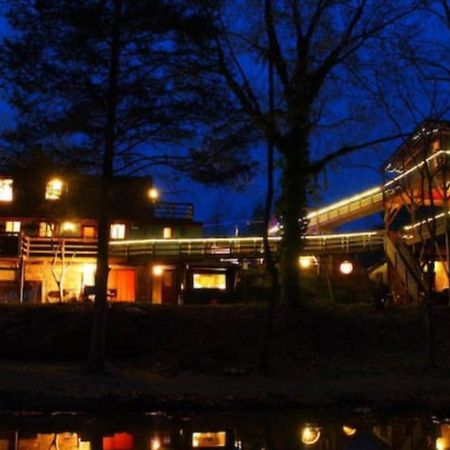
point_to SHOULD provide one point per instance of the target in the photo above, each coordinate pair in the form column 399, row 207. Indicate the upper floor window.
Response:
column 53, row 190
column 117, row 231
column 6, row 189
column 167, row 232
column 12, row 226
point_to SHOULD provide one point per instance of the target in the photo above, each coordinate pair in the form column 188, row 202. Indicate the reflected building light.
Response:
column 209, row 439
column 310, row 435
column 348, row 431
column 442, row 443
column 155, row 443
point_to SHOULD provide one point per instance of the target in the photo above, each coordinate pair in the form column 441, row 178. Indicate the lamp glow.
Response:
column 157, row 271
column 305, row 262
column 346, row 267
column 153, row 194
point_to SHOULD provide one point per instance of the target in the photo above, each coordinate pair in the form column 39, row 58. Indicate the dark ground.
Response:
column 172, row 358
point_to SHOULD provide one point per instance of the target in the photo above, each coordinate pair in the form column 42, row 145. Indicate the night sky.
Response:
column 347, row 177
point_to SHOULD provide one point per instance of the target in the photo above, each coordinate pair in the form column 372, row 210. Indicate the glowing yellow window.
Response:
column 45, row 229
column 6, row 190
column 210, row 281
column 12, row 227
column 53, row 190
column 69, row 227
column 167, row 232
column 89, row 232
column 117, row 231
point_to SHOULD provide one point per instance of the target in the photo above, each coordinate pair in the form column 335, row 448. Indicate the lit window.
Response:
column 45, row 229
column 210, row 281
column 54, row 189
column 12, row 227
column 118, row 231
column 89, row 232
column 6, row 189
column 69, row 227
column 167, row 232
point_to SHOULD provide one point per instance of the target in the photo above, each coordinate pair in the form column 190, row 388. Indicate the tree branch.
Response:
column 319, row 165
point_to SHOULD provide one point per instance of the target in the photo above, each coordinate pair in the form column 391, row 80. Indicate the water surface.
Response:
column 249, row 431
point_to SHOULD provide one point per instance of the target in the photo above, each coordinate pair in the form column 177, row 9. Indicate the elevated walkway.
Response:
column 369, row 201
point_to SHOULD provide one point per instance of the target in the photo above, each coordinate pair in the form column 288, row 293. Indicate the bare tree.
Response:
column 313, row 47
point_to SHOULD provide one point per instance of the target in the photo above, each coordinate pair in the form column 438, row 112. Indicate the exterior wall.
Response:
column 122, row 280
column 441, row 279
column 380, row 274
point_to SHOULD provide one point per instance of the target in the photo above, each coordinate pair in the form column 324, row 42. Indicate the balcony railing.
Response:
column 211, row 248
column 50, row 247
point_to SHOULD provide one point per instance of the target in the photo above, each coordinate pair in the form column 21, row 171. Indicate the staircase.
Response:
column 405, row 265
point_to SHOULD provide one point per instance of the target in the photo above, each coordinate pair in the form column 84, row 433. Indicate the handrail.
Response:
column 248, row 247
column 366, row 202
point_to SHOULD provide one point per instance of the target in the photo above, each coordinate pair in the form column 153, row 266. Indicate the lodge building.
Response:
column 48, row 241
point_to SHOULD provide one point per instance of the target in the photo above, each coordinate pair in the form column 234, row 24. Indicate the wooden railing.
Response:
column 216, row 248
column 355, row 207
column 37, row 247
column 245, row 247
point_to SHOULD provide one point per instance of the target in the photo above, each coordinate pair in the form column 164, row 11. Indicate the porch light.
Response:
column 348, row 431
column 346, row 267
column 157, row 271
column 153, row 194
column 310, row 435
column 305, row 262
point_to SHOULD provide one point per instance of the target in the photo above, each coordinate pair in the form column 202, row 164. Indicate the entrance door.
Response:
column 122, row 285
column 168, row 288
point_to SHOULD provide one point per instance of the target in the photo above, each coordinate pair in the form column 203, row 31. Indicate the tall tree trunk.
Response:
column 96, row 358
column 295, row 181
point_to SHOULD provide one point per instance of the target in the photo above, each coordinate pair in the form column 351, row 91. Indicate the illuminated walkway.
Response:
column 365, row 203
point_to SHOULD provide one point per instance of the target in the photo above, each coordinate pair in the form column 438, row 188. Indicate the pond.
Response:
column 240, row 431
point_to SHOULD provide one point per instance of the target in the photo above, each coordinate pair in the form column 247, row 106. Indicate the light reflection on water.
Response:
column 268, row 431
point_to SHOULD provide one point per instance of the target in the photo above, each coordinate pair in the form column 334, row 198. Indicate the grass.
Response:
column 330, row 340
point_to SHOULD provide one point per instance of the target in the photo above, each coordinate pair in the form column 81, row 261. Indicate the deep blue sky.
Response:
column 349, row 176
